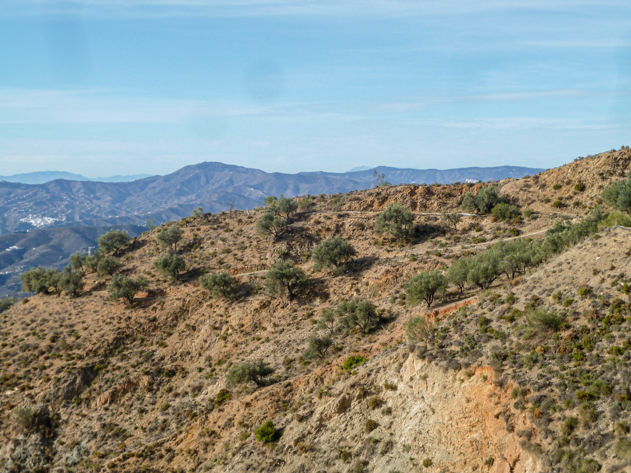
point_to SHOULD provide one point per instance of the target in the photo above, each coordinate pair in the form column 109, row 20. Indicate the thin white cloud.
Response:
column 530, row 123
column 158, row 8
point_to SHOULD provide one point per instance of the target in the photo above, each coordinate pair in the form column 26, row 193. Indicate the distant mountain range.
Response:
column 43, row 224
column 213, row 186
column 47, row 176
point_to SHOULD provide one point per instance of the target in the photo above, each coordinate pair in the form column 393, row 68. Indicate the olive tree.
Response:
column 219, row 285
column 285, row 277
column 618, row 195
column 272, row 224
column 113, row 240
column 317, row 347
column 396, row 220
column 358, row 313
column 333, row 253
column 169, row 237
column 124, row 287
column 425, row 286
column 170, row 265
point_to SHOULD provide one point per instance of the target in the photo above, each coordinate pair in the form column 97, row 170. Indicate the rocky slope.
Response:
column 91, row 384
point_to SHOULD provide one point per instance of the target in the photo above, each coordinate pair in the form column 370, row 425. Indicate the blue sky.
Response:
column 105, row 87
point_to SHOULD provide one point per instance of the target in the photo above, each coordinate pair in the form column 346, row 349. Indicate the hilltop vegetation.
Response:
column 387, row 330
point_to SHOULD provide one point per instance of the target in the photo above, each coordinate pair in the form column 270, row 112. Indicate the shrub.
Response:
column 113, row 240
column 618, row 195
column 546, row 319
column 5, row 303
column 317, row 347
column 327, row 321
column 268, row 433
column 505, row 212
column 284, row 276
column 286, row 207
column 33, row 419
column 271, row 224
column 358, row 313
column 451, row 220
column 169, row 237
column 333, row 253
column 124, row 287
column 417, row 328
column 170, row 265
column 579, row 186
column 107, row 265
column 397, row 220
column 425, row 286
column 247, row 372
column 219, row 285
column 353, row 361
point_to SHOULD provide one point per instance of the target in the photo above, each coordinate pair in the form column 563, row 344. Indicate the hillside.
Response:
column 481, row 381
column 51, row 247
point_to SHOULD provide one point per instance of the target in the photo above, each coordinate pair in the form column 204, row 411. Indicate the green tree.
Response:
column 457, row 273
column 451, row 220
column 247, row 372
column 618, row 195
column 484, row 270
column 358, row 313
column 505, row 212
column 287, row 207
column 333, row 253
column 425, row 286
column 170, row 265
column 113, row 240
column 107, row 265
column 77, row 261
column 271, row 224
column 487, row 198
column 396, row 220
column 219, row 285
column 284, row 276
column 169, row 237
column 124, row 287
column 317, row 347
column 71, row 282
column 40, row 280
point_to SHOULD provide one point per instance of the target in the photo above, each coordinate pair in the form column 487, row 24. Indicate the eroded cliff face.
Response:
column 394, row 413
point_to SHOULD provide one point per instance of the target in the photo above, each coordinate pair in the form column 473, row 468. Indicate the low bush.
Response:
column 268, row 433
column 353, row 361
